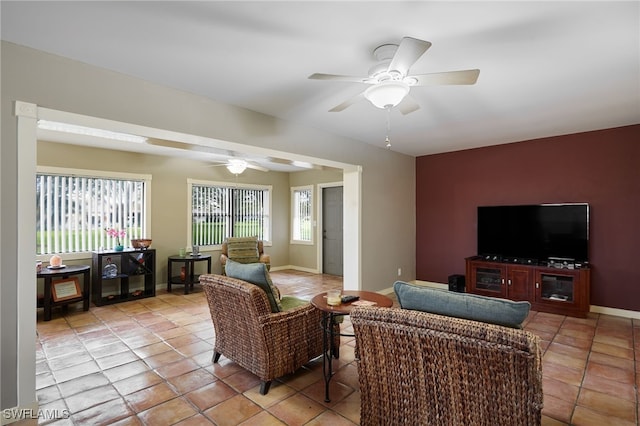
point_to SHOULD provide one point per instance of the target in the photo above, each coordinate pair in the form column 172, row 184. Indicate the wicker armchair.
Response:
column 269, row 345
column 417, row 368
column 243, row 250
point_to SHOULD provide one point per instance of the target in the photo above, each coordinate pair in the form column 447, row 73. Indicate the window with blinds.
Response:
column 73, row 211
column 302, row 214
column 219, row 211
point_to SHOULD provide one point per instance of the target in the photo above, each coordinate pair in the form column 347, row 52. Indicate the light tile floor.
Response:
column 148, row 362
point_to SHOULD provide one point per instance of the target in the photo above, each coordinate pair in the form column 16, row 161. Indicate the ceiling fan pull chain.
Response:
column 387, row 141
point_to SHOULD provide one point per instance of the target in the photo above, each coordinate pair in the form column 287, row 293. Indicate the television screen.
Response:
column 538, row 232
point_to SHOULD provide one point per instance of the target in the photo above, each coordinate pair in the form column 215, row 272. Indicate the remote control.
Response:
column 347, row 299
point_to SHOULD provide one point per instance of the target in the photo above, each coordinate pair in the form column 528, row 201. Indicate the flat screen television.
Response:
column 534, row 232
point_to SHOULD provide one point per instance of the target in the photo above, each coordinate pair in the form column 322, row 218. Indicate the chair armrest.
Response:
column 292, row 315
column 296, row 331
column 265, row 258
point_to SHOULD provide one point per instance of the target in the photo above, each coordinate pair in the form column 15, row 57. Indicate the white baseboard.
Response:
column 624, row 313
column 295, row 268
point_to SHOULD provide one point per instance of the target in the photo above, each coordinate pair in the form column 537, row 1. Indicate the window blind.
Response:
column 302, row 214
column 74, row 211
column 220, row 212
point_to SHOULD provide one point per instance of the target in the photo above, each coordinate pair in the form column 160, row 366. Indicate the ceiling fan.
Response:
column 238, row 165
column 390, row 81
column 234, row 165
column 235, row 162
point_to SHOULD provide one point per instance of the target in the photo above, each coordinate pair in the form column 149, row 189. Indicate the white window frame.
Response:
column 192, row 182
column 295, row 215
column 100, row 174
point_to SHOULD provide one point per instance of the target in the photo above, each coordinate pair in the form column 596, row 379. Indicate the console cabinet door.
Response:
column 519, row 279
column 560, row 289
column 487, row 279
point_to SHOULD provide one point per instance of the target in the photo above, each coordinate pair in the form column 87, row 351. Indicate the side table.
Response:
column 190, row 277
column 330, row 312
column 49, row 274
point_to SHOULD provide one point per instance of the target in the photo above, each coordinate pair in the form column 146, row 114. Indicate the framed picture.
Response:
column 65, row 289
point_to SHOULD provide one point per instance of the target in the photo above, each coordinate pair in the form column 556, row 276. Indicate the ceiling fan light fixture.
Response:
column 387, row 94
column 237, row 166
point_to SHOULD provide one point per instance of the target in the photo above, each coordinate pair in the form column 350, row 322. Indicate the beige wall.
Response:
column 387, row 181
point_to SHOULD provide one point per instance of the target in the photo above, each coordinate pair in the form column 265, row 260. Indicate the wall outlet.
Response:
column 399, row 271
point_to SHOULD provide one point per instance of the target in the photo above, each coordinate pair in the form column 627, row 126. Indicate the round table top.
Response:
column 71, row 269
column 320, row 301
column 189, row 257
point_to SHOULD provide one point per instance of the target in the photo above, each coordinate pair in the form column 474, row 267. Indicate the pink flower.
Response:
column 117, row 234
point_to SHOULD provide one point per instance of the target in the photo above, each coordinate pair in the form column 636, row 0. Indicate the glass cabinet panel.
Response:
column 557, row 287
column 489, row 279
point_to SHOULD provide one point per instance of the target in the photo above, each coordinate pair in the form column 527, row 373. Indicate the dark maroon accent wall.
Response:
column 601, row 168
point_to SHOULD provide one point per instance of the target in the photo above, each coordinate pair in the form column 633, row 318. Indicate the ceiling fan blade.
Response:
column 336, row 77
column 170, row 144
column 185, row 146
column 408, row 105
column 348, row 103
column 256, row 167
column 449, row 77
column 295, row 163
column 409, row 51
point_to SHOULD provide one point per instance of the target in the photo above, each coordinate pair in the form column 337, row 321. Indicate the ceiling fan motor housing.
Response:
column 381, row 72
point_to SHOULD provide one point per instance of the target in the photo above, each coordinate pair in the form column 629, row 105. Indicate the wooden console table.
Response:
column 50, row 274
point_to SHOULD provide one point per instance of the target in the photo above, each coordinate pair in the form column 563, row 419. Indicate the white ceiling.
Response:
column 546, row 68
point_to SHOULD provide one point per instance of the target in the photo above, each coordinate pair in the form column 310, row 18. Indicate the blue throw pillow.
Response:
column 255, row 273
column 462, row 305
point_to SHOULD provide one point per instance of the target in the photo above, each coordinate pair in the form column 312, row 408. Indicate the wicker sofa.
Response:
column 418, row 368
column 268, row 344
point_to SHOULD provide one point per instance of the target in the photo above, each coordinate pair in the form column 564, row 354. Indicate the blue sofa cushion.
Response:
column 258, row 274
column 462, row 305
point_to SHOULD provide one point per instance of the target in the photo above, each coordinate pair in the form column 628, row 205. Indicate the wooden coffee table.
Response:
column 330, row 312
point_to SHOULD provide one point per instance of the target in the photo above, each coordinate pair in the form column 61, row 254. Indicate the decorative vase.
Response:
column 119, row 247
